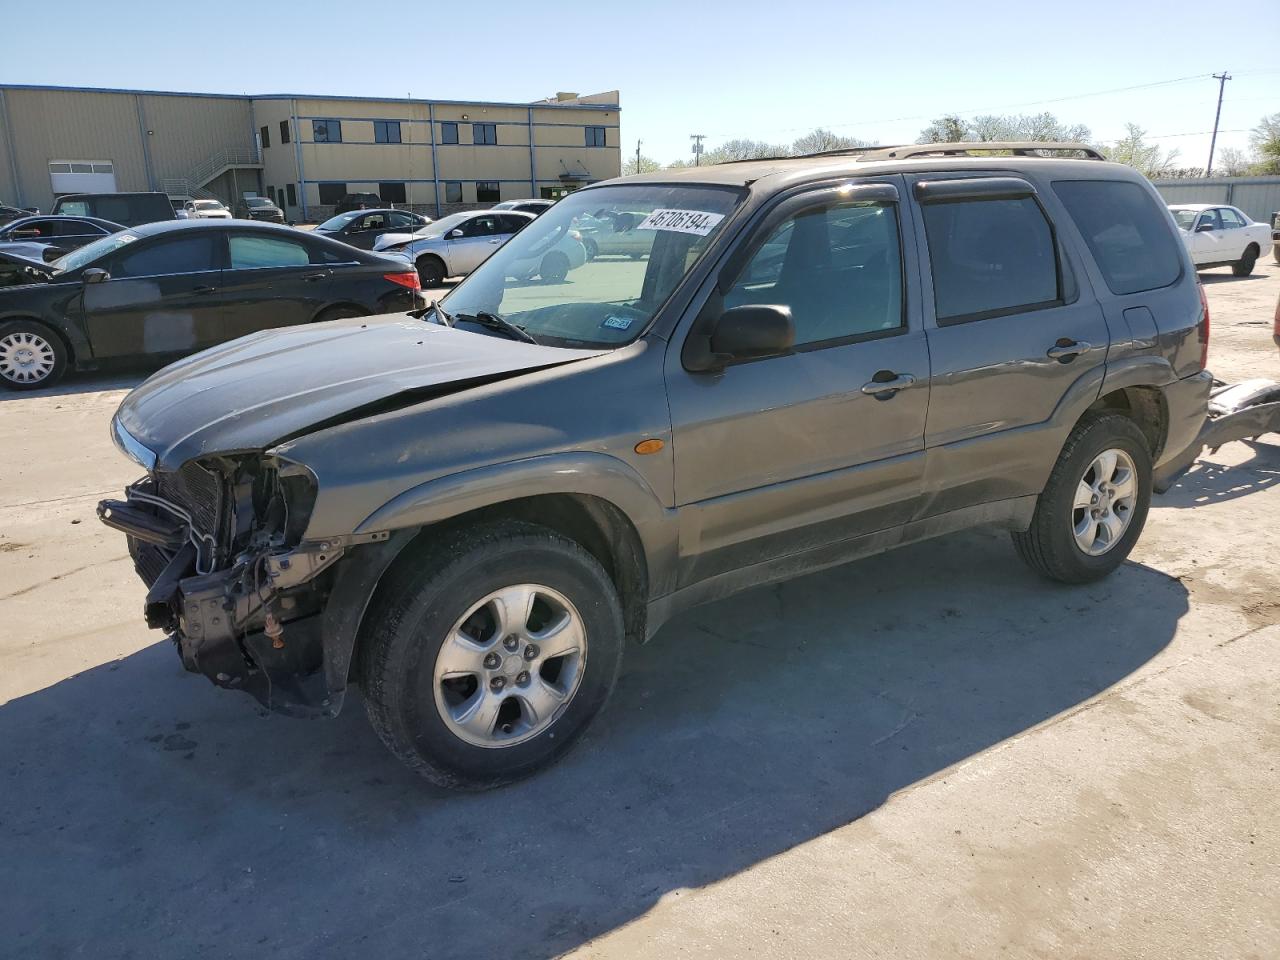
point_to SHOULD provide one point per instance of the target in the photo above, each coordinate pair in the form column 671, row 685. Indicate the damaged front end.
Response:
column 219, row 544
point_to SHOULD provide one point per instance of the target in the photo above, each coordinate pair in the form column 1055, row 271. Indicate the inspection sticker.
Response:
column 616, row 322
column 682, row 221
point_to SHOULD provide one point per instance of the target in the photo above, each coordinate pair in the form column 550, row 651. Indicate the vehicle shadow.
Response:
column 1208, row 482
column 1227, row 277
column 75, row 383
column 149, row 814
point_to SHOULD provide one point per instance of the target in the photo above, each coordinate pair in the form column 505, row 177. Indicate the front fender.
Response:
column 584, row 473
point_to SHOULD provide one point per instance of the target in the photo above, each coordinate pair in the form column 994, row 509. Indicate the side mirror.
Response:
column 750, row 332
column 1204, row 228
column 50, row 254
column 95, row 275
column 454, row 234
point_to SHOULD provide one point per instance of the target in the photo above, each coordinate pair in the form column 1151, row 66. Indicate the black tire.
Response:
column 593, row 248
column 1244, row 266
column 426, row 593
column 1275, row 251
column 431, row 271
column 554, row 268
column 1049, row 547
column 47, row 353
column 340, row 313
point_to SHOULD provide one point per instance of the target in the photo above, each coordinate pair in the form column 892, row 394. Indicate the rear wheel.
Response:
column 593, row 249
column 1093, row 508
column 31, row 355
column 431, row 271
column 1244, row 266
column 488, row 653
column 340, row 313
column 555, row 267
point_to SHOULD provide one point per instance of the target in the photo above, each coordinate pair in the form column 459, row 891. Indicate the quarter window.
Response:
column 1125, row 231
column 838, row 268
column 595, row 136
column 250, row 252
column 484, row 133
column 453, row 191
column 990, row 258
column 448, row 133
column 487, row 191
column 386, row 131
column 326, row 131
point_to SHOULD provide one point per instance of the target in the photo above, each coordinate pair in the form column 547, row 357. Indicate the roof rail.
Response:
column 1018, row 148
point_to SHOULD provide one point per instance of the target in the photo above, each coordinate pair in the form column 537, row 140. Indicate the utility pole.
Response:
column 697, row 139
column 1222, row 79
column 638, row 156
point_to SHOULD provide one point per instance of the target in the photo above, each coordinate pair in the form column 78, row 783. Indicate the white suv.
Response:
column 206, row 210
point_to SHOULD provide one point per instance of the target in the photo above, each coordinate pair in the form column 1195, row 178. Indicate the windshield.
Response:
column 257, row 202
column 594, row 269
column 442, row 226
column 92, row 251
column 340, row 221
column 1184, row 218
column 208, row 205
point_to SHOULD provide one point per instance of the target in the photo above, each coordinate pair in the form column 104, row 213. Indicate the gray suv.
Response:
column 470, row 513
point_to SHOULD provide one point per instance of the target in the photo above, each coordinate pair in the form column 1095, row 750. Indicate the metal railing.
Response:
column 193, row 183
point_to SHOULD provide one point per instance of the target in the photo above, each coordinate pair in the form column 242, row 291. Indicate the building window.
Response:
column 448, row 133
column 332, row 192
column 484, row 133
column 326, row 131
column 284, row 131
column 391, row 192
column 386, row 131
column 292, row 194
column 487, row 191
column 265, row 134
column 595, row 136
column 453, row 191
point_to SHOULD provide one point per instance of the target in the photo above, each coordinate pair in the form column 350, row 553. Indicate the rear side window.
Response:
column 251, row 252
column 1126, row 231
column 990, row 258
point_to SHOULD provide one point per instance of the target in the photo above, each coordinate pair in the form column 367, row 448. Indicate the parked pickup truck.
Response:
column 471, row 511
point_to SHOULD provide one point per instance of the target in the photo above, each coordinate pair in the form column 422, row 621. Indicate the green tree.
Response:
column 1148, row 158
column 743, row 150
column 820, row 140
column 946, row 129
column 645, row 165
column 1265, row 141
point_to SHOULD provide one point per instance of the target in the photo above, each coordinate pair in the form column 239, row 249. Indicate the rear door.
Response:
column 1010, row 335
column 1234, row 235
column 787, row 455
column 272, row 280
column 162, row 298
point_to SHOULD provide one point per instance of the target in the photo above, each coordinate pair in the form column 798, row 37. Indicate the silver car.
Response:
column 455, row 245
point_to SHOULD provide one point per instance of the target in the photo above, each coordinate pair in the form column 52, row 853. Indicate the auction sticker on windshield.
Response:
column 682, row 221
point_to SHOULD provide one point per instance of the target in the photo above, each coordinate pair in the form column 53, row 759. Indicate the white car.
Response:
column 1218, row 236
column 206, row 210
column 455, row 245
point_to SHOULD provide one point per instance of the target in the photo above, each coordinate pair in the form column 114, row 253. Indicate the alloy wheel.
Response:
column 1104, row 502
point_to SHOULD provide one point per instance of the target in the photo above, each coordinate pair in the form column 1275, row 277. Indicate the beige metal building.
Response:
column 304, row 152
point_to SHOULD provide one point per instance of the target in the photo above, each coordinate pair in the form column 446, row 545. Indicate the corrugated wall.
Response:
column 46, row 125
column 1259, row 197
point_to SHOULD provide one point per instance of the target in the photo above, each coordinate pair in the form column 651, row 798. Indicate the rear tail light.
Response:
column 1204, row 327
column 407, row 279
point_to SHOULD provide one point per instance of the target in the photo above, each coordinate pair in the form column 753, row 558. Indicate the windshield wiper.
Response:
column 493, row 321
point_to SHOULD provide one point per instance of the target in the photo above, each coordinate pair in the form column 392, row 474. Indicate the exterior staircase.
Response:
column 195, row 181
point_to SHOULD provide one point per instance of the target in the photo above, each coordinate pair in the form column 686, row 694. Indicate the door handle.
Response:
column 495, row 241
column 886, row 384
column 1066, row 350
column 203, row 289
column 313, row 277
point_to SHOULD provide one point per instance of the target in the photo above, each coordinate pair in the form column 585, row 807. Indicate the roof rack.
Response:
column 1018, row 148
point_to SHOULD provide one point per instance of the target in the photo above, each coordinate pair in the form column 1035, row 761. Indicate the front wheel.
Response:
column 31, row 355
column 1244, row 266
column 489, row 652
column 1093, row 508
column 554, row 268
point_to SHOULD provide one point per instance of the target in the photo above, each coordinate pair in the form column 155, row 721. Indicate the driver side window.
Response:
column 838, row 268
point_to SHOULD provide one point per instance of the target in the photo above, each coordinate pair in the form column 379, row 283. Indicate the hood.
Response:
column 255, row 392
column 391, row 239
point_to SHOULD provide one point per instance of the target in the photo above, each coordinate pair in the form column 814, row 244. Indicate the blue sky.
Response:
column 767, row 71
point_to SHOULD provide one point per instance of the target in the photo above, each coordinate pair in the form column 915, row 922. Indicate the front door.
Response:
column 789, row 455
column 1010, row 336
column 365, row 229
column 162, row 298
column 481, row 236
column 1208, row 245
column 271, row 281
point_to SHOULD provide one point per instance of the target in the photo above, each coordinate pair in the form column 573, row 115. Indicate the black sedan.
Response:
column 361, row 228
column 164, row 290
column 52, row 236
